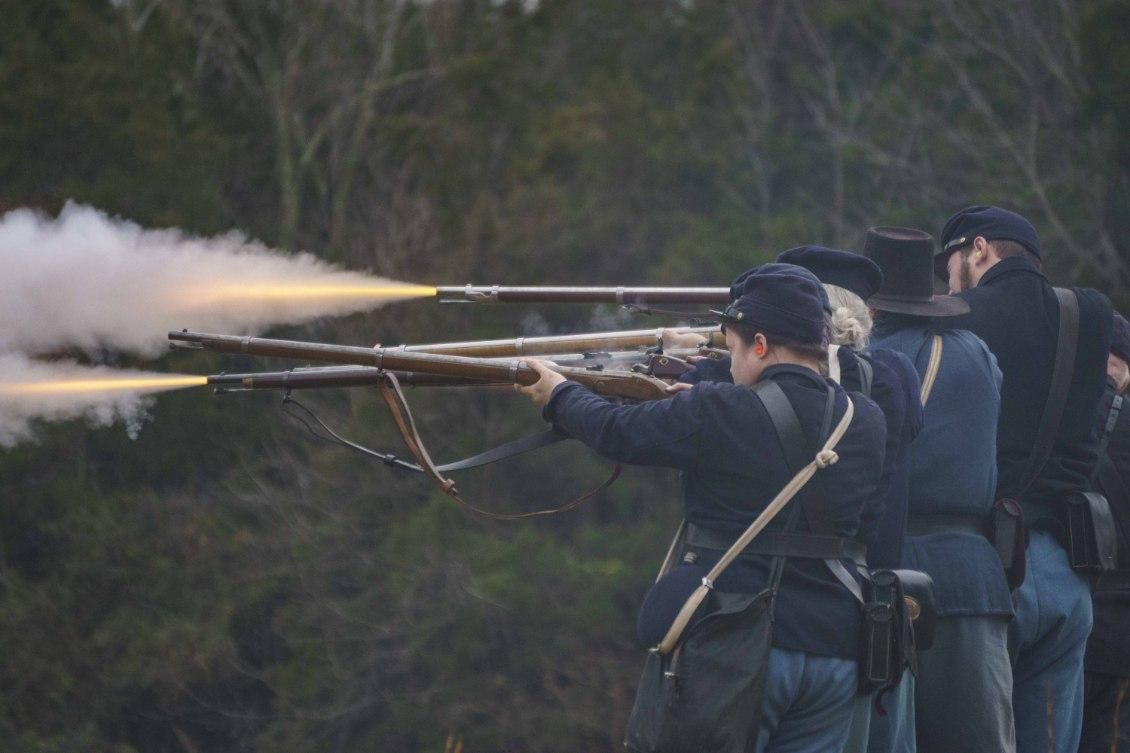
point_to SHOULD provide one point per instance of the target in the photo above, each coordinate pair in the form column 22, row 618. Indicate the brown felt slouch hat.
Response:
column 906, row 257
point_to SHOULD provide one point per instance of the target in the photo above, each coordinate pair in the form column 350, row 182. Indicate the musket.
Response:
column 668, row 365
column 618, row 295
column 625, row 384
column 324, row 377
column 580, row 343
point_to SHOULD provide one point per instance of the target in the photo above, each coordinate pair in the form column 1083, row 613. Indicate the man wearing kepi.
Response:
column 1106, row 712
column 963, row 691
column 991, row 257
column 723, row 438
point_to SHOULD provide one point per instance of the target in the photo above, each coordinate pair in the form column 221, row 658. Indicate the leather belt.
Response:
column 925, row 525
column 778, row 544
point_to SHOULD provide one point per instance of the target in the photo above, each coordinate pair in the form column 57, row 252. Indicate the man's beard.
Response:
column 966, row 276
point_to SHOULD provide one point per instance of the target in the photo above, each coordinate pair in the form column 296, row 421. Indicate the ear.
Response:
column 983, row 253
column 760, row 345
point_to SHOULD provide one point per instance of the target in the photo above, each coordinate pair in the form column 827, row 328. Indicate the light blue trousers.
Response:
column 1047, row 640
column 888, row 728
column 808, row 703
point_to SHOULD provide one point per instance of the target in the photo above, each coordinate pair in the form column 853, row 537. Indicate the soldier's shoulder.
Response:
column 893, row 361
column 868, row 414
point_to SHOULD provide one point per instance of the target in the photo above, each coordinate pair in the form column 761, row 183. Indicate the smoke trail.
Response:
column 87, row 280
column 61, row 390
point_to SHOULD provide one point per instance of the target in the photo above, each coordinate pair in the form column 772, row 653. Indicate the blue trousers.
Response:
column 1047, row 640
column 808, row 703
column 892, row 731
column 887, row 727
column 964, row 690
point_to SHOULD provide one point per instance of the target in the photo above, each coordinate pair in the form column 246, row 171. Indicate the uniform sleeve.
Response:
column 659, row 432
column 864, row 453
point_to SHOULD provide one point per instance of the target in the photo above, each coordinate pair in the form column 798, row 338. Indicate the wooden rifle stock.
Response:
column 609, row 383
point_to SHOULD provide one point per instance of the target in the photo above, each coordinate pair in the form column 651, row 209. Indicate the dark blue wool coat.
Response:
column 953, row 464
column 894, row 389
column 721, row 437
column 1014, row 310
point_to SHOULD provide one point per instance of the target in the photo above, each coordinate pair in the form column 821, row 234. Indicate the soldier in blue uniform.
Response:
column 893, row 385
column 1106, row 711
column 991, row 258
column 963, row 691
column 733, row 464
column 850, row 279
column 887, row 377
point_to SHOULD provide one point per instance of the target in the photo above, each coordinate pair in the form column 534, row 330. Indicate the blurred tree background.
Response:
column 224, row 582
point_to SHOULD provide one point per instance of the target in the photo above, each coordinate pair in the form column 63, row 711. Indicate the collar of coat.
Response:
column 1013, row 264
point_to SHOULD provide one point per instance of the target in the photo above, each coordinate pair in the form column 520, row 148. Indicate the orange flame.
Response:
column 314, row 291
column 104, row 384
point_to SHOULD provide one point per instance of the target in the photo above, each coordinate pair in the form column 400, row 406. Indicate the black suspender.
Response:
column 866, row 374
column 1067, row 340
column 797, row 451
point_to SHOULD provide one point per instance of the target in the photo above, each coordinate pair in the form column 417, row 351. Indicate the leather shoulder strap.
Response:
column 866, row 374
column 1066, row 341
column 795, row 446
column 785, row 422
column 797, row 450
column 932, row 367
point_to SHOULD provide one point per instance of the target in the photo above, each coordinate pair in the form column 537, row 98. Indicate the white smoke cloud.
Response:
column 90, row 281
column 23, row 399
column 87, row 280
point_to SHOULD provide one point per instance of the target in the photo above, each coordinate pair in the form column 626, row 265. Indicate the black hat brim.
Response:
column 939, row 305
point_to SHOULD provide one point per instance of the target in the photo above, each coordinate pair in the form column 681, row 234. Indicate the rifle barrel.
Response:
column 336, row 376
column 554, row 344
column 550, row 294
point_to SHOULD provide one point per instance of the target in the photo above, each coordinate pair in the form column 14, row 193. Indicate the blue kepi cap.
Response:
column 843, row 269
column 992, row 224
column 779, row 299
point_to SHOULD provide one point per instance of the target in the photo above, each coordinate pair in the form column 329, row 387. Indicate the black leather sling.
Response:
column 797, row 450
column 1067, row 340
